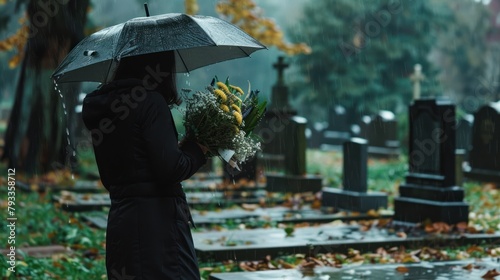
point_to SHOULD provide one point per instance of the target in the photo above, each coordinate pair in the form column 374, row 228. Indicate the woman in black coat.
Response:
column 142, row 166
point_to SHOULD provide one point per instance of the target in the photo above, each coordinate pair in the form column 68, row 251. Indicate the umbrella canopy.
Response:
column 196, row 41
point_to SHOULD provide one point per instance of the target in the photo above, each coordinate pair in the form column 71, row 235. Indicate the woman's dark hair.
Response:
column 136, row 67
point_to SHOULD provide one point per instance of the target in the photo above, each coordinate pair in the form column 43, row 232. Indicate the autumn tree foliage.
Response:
column 16, row 42
column 249, row 17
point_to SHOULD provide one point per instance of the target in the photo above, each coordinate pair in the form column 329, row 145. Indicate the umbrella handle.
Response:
column 146, row 9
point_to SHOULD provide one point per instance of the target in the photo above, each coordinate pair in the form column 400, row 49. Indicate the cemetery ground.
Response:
column 54, row 243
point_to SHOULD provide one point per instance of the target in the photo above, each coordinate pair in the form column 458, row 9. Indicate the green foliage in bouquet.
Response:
column 252, row 109
column 223, row 118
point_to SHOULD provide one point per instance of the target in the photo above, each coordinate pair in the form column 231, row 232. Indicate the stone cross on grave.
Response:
column 279, row 96
column 280, row 66
column 416, row 78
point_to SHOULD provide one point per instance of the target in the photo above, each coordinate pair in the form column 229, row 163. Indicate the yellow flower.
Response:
column 223, row 86
column 238, row 89
column 236, row 129
column 224, row 108
column 238, row 117
column 219, row 93
column 236, row 108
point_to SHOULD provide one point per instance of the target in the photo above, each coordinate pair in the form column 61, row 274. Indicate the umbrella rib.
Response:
column 109, row 71
column 182, row 59
column 247, row 54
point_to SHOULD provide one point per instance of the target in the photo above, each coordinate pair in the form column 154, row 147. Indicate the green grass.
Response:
column 40, row 223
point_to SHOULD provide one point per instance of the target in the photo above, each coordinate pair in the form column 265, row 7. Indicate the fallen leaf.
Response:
column 402, row 269
column 307, row 264
column 372, row 213
column 285, row 264
column 401, row 234
column 468, row 267
column 429, row 228
column 472, row 230
column 490, row 274
column 461, row 226
column 249, row 207
column 474, row 248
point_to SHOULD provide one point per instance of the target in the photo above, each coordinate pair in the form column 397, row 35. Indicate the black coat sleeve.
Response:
column 169, row 163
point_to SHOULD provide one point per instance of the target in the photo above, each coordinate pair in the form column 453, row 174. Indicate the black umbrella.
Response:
column 196, row 41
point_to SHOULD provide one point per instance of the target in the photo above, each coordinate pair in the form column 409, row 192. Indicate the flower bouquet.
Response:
column 223, row 118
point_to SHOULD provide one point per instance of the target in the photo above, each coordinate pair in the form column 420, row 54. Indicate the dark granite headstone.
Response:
column 276, row 118
column 337, row 118
column 355, row 165
column 364, row 127
column 294, row 178
column 315, row 134
column 354, row 195
column 484, row 157
column 381, row 131
column 284, row 142
column 430, row 191
column 338, row 130
column 464, row 134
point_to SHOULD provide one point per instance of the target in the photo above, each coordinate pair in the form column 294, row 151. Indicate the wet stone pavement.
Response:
column 452, row 270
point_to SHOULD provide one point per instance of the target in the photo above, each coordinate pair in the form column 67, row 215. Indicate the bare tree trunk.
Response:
column 36, row 140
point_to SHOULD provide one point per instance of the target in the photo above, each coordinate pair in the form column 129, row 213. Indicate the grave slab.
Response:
column 449, row 270
column 276, row 215
column 356, row 201
column 71, row 201
column 77, row 202
column 258, row 243
column 293, row 183
column 41, row 251
column 97, row 219
column 80, row 186
column 192, row 185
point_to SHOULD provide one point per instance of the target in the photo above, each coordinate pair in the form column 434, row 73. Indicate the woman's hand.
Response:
column 205, row 149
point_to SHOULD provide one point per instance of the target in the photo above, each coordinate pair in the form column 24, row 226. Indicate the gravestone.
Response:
column 314, row 134
column 295, row 179
column 338, row 119
column 338, row 130
column 284, row 144
column 430, row 191
column 464, row 134
column 381, row 131
column 354, row 195
column 484, row 157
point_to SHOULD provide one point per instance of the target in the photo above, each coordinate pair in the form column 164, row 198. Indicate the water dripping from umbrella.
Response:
column 68, row 140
